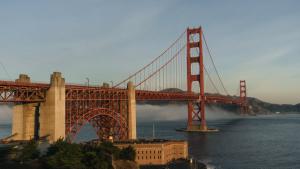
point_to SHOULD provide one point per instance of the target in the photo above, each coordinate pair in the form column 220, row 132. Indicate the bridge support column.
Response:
column 131, row 116
column 52, row 111
column 23, row 121
column 23, row 117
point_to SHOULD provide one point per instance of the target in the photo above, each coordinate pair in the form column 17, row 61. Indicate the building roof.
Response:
column 146, row 141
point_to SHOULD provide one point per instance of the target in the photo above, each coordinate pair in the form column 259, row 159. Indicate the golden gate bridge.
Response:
column 179, row 73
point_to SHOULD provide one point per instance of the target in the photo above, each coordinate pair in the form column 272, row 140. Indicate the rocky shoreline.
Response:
column 178, row 164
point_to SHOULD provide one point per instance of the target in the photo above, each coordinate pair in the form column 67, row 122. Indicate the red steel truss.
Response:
column 22, row 92
column 104, row 108
column 16, row 92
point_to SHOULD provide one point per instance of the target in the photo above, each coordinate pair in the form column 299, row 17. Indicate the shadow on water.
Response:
column 224, row 123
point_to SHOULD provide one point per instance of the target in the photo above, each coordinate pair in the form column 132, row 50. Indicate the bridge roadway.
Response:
column 17, row 92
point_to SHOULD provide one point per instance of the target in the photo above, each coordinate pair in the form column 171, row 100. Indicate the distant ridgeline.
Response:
column 265, row 107
column 257, row 106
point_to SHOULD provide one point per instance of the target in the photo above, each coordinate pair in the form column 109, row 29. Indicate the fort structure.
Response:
column 157, row 151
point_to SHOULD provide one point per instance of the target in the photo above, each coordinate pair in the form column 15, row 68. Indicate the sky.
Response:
column 257, row 40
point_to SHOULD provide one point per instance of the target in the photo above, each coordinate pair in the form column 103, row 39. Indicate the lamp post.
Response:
column 88, row 81
column 88, row 85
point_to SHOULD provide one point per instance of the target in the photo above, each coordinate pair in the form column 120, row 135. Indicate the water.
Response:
column 5, row 130
column 242, row 143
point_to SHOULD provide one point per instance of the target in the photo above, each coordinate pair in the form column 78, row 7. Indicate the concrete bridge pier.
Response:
column 41, row 119
column 23, row 116
column 52, row 111
column 131, row 116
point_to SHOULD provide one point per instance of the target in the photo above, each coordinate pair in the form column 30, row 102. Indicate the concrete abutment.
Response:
column 52, row 111
column 51, row 117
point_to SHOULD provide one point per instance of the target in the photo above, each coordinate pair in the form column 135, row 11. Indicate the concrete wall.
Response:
column 52, row 111
column 131, row 111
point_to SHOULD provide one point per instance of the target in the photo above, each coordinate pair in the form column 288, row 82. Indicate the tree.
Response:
column 64, row 155
column 128, row 153
column 59, row 145
column 109, row 148
column 92, row 161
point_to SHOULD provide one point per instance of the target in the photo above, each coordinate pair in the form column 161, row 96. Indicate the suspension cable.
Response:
column 208, row 75
column 5, row 70
column 118, row 84
column 163, row 66
column 211, row 58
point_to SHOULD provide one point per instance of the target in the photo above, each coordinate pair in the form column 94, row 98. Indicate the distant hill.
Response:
column 261, row 106
column 256, row 106
column 173, row 90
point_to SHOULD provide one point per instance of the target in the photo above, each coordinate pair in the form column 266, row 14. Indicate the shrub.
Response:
column 29, row 152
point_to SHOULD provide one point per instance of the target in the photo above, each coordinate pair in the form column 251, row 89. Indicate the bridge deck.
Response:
column 11, row 91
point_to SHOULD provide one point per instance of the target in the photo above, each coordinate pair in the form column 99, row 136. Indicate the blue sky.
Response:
column 258, row 41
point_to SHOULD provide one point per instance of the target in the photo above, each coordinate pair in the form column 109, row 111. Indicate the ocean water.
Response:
column 259, row 142
column 5, row 130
